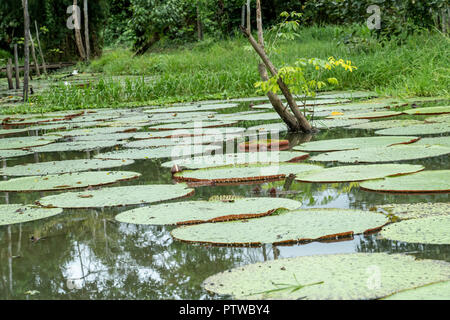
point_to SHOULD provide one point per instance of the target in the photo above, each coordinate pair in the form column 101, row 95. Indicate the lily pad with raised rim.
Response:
column 435, row 291
column 201, row 162
column 188, row 132
column 77, row 146
column 430, row 230
column 271, row 127
column 24, row 142
column 430, row 181
column 245, row 173
column 359, row 173
column 408, row 211
column 92, row 131
column 19, row 213
column 428, row 110
column 352, row 143
column 195, row 212
column 290, row 227
column 117, row 196
column 7, row 154
column 416, row 130
column 385, row 124
column 336, row 123
column 66, row 181
column 441, row 141
column 386, row 154
column 367, row 115
column 192, row 125
column 59, row 167
column 351, row 276
column 191, row 108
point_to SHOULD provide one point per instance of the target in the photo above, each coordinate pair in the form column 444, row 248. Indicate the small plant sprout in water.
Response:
column 287, row 286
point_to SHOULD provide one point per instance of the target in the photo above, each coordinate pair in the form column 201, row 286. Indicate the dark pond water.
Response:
column 86, row 254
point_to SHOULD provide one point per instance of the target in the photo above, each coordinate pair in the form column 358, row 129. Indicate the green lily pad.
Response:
column 24, row 142
column 253, row 116
column 188, row 132
column 441, row 141
column 430, row 230
column 352, row 143
column 106, row 137
column 92, row 131
column 439, row 119
column 336, row 123
column 245, row 173
column 377, row 125
column 288, row 227
column 190, row 108
column 59, row 167
column 179, row 151
column 77, row 146
column 386, row 154
column 359, row 173
column 66, row 181
column 7, row 132
column 194, row 212
column 416, row 130
column 367, row 115
column 6, row 154
column 415, row 210
column 176, row 141
column 354, row 276
column 192, row 125
column 435, row 291
column 423, row 182
column 272, row 127
column 308, row 103
column 429, row 110
column 18, row 213
column 201, row 162
column 117, row 196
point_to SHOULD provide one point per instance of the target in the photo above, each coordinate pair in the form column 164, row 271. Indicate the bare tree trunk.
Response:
column 199, row 24
column 40, row 48
column 26, row 75
column 78, row 38
column 243, row 16
column 9, row 74
column 33, row 53
column 249, row 12
column 16, row 67
column 86, row 29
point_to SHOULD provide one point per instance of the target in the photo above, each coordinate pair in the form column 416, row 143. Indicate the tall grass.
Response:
column 228, row 68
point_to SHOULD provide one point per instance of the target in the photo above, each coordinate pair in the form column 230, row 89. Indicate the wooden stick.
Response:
column 86, row 29
column 33, row 53
column 40, row 48
column 249, row 27
column 16, row 67
column 9, row 74
column 26, row 17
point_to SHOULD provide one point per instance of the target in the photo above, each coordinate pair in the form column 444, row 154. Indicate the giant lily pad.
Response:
column 190, row 108
column 188, row 132
column 106, row 137
column 386, row 154
column 442, row 141
column 415, row 210
column 428, row 111
column 416, row 130
column 117, row 196
column 336, row 123
column 244, row 173
column 353, row 276
column 266, row 128
column 368, row 115
column 431, row 230
column 352, row 143
column 174, row 152
column 261, row 145
column 443, row 118
column 434, row 291
column 175, row 141
column 253, row 116
column 377, row 125
column 77, row 146
column 359, row 173
column 192, row 125
column 18, row 213
column 219, row 160
column 59, row 167
column 24, row 142
column 194, row 212
column 66, row 181
column 289, row 227
column 423, row 182
column 7, row 132
column 92, row 131
column 6, row 154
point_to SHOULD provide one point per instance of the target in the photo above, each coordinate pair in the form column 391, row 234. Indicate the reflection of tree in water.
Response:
column 422, row 251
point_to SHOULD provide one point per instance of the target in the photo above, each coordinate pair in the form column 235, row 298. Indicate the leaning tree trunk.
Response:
column 86, row 29
column 40, row 48
column 78, row 38
column 33, row 53
column 296, row 121
column 26, row 75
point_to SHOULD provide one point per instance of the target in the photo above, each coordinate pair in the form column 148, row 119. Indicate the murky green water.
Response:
column 86, row 254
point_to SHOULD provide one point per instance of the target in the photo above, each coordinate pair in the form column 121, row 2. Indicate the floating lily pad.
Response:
column 92, row 131
column 308, row 103
column 352, row 143
column 435, row 291
column 423, row 182
column 59, row 167
column 6, row 154
column 188, row 132
column 354, row 276
column 368, row 115
column 289, row 227
column 429, row 110
column 377, row 125
column 194, row 212
column 260, row 145
column 415, row 210
column 416, row 130
column 336, row 123
column 439, row 119
column 431, row 230
column 176, row 141
column 386, row 154
column 272, row 127
column 192, row 125
column 179, row 151
column 243, row 173
column 7, row 132
column 253, row 116
column 117, row 196
column 359, row 173
column 66, row 181
column 106, row 137
column 24, row 142
column 441, row 141
column 77, row 146
column 190, row 108
column 219, row 160
column 18, row 213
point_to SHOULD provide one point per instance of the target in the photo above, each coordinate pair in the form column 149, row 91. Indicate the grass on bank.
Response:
column 228, row 69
